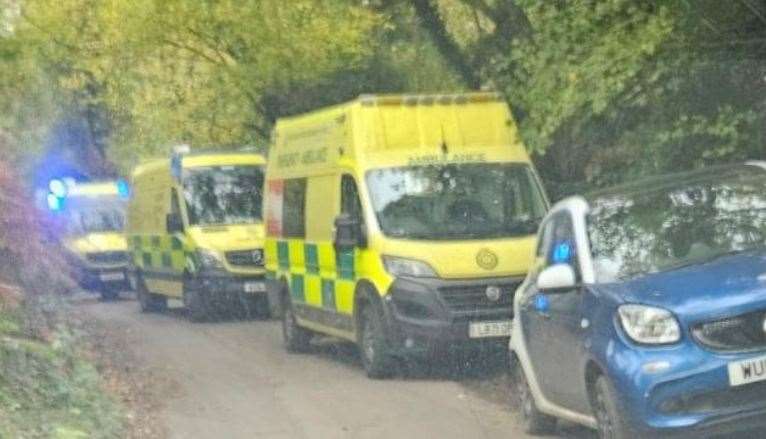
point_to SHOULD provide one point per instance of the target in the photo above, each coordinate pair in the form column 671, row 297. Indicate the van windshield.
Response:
column 82, row 222
column 457, row 201
column 221, row 195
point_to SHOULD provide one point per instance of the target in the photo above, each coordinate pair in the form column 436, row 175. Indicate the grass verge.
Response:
column 48, row 387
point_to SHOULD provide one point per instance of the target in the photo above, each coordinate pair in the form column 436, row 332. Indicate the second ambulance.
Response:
column 195, row 233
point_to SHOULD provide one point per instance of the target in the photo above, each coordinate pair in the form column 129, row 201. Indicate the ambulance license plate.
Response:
column 255, row 287
column 747, row 371
column 490, row 329
column 112, row 277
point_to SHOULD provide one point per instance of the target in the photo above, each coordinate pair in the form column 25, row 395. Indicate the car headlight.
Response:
column 649, row 325
column 209, row 260
column 401, row 267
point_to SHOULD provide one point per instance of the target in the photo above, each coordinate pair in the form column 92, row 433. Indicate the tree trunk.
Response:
column 428, row 14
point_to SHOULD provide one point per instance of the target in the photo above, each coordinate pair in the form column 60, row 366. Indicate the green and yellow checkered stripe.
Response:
column 317, row 276
column 159, row 253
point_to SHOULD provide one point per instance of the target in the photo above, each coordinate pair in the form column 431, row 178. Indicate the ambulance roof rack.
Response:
column 432, row 99
column 247, row 149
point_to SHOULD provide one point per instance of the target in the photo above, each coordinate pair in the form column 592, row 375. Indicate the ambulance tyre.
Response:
column 297, row 339
column 373, row 345
column 109, row 293
column 195, row 301
column 149, row 302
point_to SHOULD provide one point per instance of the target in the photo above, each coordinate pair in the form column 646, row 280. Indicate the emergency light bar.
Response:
column 61, row 189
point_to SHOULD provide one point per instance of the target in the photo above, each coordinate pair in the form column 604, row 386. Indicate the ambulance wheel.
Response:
column 296, row 339
column 195, row 301
column 373, row 346
column 260, row 307
column 109, row 294
column 534, row 421
column 149, row 302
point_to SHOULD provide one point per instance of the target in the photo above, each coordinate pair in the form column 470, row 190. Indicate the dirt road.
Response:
column 235, row 380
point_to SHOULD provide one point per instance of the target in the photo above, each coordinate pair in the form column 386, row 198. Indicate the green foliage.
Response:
column 47, row 389
column 603, row 90
column 615, row 89
column 581, row 61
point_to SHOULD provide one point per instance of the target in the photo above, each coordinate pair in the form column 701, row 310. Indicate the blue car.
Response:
column 645, row 312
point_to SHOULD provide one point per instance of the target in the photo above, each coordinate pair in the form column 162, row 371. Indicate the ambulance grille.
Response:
column 245, row 258
column 471, row 298
column 116, row 257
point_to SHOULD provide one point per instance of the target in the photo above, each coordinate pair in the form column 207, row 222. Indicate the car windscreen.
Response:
column 456, row 201
column 679, row 225
column 221, row 195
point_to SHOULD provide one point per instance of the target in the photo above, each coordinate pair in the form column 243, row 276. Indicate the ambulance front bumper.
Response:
column 97, row 278
column 229, row 284
column 428, row 315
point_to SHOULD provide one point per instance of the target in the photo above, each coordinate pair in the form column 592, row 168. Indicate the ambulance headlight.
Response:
column 402, row 267
column 209, row 260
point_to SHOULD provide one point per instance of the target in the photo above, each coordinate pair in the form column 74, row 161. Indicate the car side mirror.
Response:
column 557, row 278
column 173, row 223
column 348, row 232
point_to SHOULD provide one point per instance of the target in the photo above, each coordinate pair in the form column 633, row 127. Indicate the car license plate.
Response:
column 111, row 277
column 747, row 371
column 490, row 329
column 255, row 287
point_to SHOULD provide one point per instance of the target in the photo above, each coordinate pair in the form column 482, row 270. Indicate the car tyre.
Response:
column 610, row 421
column 195, row 301
column 373, row 344
column 534, row 421
column 296, row 339
column 148, row 301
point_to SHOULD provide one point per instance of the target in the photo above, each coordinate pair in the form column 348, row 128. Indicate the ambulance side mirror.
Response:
column 173, row 223
column 348, row 232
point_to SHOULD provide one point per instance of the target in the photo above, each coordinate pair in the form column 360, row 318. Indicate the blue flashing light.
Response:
column 55, row 204
column 542, row 304
column 123, row 188
column 562, row 253
column 58, row 188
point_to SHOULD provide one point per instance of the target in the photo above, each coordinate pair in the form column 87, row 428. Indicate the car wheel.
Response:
column 534, row 421
column 195, row 301
column 149, row 302
column 611, row 423
column 373, row 346
column 296, row 339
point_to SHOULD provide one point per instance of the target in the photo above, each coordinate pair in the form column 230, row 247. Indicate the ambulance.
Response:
column 91, row 218
column 401, row 223
column 195, row 233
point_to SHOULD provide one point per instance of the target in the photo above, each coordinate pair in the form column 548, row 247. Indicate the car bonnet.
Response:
column 729, row 285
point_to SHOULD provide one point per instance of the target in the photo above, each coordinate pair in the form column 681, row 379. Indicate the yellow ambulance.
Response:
column 195, row 233
column 401, row 223
column 91, row 218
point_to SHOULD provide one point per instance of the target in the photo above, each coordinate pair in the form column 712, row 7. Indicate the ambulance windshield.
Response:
column 221, row 195
column 84, row 221
column 457, row 201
